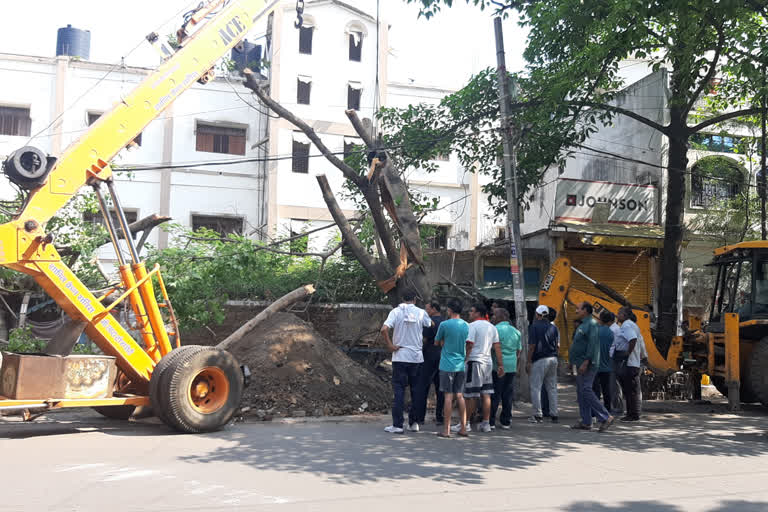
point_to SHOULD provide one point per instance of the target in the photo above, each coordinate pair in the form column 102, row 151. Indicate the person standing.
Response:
column 430, row 371
column 585, row 355
column 452, row 337
column 629, row 348
column 543, row 341
column 504, row 386
column 407, row 320
column 603, row 385
column 478, row 386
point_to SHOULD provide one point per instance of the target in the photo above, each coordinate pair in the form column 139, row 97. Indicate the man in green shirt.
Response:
column 504, row 390
column 452, row 337
column 585, row 355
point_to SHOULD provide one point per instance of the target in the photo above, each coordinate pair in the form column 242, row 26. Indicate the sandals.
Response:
column 580, row 426
column 443, row 435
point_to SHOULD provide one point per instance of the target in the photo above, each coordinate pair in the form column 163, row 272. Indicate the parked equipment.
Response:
column 191, row 388
column 732, row 348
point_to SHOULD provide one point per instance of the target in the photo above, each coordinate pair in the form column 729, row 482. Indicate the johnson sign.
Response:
column 627, row 204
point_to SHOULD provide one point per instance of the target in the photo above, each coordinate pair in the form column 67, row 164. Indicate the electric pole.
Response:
column 510, row 138
column 762, row 161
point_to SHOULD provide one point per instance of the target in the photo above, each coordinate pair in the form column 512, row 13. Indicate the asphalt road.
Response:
column 667, row 463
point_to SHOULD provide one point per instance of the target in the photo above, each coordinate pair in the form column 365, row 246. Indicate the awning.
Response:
column 305, row 79
column 355, row 85
column 505, row 292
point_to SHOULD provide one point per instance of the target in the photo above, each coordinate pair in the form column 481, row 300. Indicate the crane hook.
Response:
column 299, row 14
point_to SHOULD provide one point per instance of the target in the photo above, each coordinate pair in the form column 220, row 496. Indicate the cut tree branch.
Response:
column 724, row 117
column 360, row 129
column 349, row 173
column 281, row 303
column 376, row 270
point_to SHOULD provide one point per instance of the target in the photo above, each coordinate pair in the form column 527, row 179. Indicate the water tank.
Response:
column 247, row 55
column 73, row 42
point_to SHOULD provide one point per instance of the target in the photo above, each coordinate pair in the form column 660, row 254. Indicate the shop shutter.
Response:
column 627, row 273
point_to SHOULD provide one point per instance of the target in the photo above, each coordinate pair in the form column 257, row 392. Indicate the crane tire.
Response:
column 200, row 389
column 745, row 391
column 157, row 399
column 758, row 371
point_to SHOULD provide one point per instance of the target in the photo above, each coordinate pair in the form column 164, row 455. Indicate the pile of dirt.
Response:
column 296, row 372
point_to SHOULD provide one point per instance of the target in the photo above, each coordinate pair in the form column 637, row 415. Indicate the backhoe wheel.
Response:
column 758, row 371
column 159, row 400
column 199, row 390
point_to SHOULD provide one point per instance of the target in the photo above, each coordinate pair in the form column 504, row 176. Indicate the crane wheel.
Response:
column 199, row 390
column 159, row 400
column 745, row 391
column 758, row 371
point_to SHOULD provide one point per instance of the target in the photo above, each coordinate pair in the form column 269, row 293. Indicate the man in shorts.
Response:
column 482, row 338
column 452, row 336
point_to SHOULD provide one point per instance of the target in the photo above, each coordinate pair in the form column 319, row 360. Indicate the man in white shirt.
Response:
column 482, row 338
column 629, row 350
column 407, row 321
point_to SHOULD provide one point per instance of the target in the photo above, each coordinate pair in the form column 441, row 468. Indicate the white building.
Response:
column 49, row 102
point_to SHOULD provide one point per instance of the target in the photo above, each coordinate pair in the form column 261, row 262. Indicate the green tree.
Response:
column 573, row 54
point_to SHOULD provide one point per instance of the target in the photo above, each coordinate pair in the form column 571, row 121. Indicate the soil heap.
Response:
column 296, row 372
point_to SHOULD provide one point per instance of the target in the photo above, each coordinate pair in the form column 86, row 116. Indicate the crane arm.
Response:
column 25, row 247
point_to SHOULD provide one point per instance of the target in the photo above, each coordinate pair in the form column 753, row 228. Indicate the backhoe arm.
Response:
column 558, row 288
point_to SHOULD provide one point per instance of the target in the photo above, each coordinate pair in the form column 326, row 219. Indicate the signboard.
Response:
column 627, row 204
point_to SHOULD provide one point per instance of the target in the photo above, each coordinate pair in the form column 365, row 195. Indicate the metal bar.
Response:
column 129, row 291
column 108, row 222
column 732, row 377
column 123, row 222
column 66, row 403
column 171, row 312
column 582, row 274
column 155, row 317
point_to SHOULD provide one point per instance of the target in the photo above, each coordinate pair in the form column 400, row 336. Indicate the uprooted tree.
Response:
column 398, row 264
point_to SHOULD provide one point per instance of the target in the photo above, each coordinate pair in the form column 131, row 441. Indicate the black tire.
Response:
column 116, row 412
column 745, row 390
column 159, row 400
column 220, row 376
column 758, row 371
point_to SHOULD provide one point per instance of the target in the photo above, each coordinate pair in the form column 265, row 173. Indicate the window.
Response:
column 220, row 224
column 442, row 157
column 300, row 160
column 131, row 216
column 302, row 243
column 355, row 46
column 94, row 116
column 15, row 121
column 220, row 139
column 305, row 40
column 303, row 88
column 437, row 237
column 714, row 180
column 353, row 95
column 720, row 143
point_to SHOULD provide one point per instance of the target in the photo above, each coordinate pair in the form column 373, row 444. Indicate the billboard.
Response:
column 627, row 204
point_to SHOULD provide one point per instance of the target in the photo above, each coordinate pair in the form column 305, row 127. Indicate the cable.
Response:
column 88, row 91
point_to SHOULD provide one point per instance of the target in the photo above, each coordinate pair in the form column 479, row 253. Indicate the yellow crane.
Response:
column 191, row 388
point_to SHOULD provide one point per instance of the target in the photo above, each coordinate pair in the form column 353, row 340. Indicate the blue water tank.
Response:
column 73, row 42
column 247, row 55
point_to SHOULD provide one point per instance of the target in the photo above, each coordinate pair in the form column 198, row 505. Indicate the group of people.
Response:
column 474, row 365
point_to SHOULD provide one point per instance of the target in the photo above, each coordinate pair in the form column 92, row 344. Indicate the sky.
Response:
column 451, row 46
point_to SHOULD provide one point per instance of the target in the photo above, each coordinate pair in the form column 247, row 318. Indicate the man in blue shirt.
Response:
column 430, row 371
column 605, row 376
column 585, row 355
column 452, row 337
column 543, row 341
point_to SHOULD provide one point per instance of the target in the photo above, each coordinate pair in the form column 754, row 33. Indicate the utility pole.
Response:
column 763, row 169
column 510, row 138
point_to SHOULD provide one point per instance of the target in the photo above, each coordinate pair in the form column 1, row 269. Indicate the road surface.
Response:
column 667, row 463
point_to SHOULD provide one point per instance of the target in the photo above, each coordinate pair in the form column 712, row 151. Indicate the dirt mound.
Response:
column 296, row 372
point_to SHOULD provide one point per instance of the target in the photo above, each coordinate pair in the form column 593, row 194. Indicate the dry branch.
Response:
column 281, row 303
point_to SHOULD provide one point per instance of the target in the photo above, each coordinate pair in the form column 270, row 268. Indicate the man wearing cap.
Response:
column 543, row 344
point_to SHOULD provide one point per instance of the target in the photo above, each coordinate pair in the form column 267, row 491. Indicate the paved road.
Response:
column 668, row 463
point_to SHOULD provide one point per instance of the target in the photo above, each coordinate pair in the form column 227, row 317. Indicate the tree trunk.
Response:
column 673, row 230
